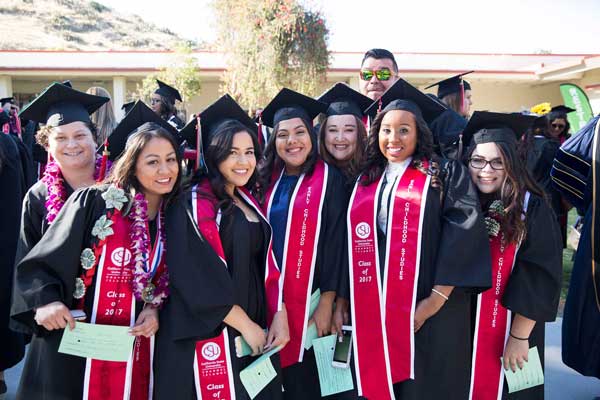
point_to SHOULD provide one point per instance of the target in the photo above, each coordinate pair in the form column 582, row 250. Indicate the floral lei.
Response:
column 57, row 195
column 144, row 289
column 494, row 217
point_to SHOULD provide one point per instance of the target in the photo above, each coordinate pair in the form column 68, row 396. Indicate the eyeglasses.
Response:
column 480, row 163
column 558, row 126
column 154, row 101
column 383, row 74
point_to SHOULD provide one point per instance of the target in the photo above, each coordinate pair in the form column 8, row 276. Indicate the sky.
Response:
column 446, row 26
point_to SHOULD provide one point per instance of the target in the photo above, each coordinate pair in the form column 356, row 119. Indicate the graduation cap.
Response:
column 344, row 100
column 562, row 109
column 167, row 91
column 215, row 116
column 127, row 106
column 5, row 100
column 454, row 84
column 289, row 104
column 404, row 96
column 487, row 127
column 136, row 117
column 61, row 105
column 67, row 83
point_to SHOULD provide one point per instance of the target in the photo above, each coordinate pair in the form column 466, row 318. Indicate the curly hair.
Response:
column 350, row 168
column 376, row 162
column 42, row 135
column 518, row 181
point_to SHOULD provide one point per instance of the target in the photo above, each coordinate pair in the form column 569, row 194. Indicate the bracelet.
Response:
column 518, row 338
column 442, row 295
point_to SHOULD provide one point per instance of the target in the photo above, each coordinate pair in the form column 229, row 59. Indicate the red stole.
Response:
column 213, row 374
column 384, row 313
column 114, row 304
column 300, row 254
column 492, row 324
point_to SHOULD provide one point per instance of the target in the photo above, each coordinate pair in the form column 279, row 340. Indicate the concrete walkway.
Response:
column 562, row 383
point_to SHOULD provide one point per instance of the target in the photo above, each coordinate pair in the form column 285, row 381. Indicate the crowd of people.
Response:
column 435, row 232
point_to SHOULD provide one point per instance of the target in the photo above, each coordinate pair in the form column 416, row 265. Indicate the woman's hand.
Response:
column 255, row 336
column 322, row 315
column 515, row 353
column 340, row 315
column 54, row 315
column 426, row 309
column 279, row 332
column 146, row 324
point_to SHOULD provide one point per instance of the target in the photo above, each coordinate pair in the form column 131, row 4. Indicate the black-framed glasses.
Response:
column 480, row 163
column 558, row 126
column 154, row 101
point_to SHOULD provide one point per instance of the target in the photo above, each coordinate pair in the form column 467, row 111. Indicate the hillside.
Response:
column 76, row 25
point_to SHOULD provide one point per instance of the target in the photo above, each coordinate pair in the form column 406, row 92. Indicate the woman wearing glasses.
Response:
column 162, row 103
column 526, row 257
column 417, row 245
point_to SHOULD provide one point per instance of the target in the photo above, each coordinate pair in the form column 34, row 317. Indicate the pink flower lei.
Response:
column 57, row 195
column 144, row 288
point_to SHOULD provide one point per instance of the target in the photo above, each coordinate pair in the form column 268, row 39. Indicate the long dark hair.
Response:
column 350, row 168
column 216, row 152
column 167, row 108
column 123, row 171
column 376, row 162
column 554, row 115
column 512, row 193
column 538, row 128
column 273, row 162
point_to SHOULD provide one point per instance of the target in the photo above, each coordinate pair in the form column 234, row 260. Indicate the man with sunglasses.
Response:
column 378, row 72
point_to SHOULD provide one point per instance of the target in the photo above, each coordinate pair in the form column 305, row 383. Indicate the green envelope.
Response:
column 256, row 376
column 531, row 375
column 332, row 380
column 100, row 342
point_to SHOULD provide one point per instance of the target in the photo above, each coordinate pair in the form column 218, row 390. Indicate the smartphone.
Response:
column 78, row 315
column 343, row 348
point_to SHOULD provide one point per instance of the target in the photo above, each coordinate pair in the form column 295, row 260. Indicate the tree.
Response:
column 181, row 73
column 270, row 44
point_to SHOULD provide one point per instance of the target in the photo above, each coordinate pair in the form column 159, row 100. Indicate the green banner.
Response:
column 576, row 98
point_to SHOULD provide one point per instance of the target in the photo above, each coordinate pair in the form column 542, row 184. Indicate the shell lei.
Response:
column 144, row 288
column 57, row 195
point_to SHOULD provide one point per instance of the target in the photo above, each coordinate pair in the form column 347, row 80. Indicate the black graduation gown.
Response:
column 455, row 252
column 581, row 319
column 202, row 294
column 533, row 289
column 47, row 274
column 33, row 219
column 539, row 163
column 12, row 181
column 300, row 380
column 446, row 130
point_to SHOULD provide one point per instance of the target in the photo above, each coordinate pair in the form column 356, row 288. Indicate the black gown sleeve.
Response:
column 32, row 219
column 202, row 291
column 463, row 258
column 333, row 252
column 533, row 289
column 47, row 273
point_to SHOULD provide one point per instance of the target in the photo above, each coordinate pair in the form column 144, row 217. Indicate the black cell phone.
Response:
column 343, row 348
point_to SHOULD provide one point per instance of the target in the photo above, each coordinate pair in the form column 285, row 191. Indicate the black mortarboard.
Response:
column 486, row 127
column 67, row 83
column 167, row 91
column 5, row 100
column 289, row 104
column 343, row 100
column 224, row 110
column 61, row 105
column 127, row 106
column 562, row 109
column 404, row 96
column 451, row 85
column 136, row 117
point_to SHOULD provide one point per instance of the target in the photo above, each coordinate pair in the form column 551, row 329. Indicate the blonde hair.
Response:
column 104, row 117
